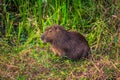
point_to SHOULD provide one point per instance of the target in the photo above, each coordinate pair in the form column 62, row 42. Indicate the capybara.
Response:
column 66, row 43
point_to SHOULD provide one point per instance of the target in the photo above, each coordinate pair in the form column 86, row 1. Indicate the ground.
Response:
column 35, row 62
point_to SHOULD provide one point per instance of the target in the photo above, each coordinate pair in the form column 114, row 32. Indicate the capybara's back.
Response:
column 64, row 43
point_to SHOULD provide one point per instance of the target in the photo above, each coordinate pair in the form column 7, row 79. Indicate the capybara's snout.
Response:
column 42, row 37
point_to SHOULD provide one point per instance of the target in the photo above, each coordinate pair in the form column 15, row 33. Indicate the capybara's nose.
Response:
column 42, row 37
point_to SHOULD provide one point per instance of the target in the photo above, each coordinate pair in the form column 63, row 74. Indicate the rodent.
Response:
column 66, row 43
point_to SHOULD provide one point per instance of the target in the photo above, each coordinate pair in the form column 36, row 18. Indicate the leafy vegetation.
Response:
column 24, row 56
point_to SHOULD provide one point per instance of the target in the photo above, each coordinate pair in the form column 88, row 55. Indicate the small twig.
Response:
column 96, row 66
column 114, row 66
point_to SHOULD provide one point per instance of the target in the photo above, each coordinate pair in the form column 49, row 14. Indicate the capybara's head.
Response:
column 51, row 33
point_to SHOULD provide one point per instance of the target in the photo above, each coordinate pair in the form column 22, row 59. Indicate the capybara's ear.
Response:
column 57, row 29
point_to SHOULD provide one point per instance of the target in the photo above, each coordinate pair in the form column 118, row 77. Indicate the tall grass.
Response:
column 90, row 17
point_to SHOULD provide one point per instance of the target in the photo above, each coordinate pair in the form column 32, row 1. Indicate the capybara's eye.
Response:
column 50, row 30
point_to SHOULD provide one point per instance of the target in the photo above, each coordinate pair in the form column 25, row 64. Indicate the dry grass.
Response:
column 26, row 65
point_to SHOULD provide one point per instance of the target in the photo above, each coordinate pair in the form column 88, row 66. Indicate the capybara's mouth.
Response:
column 42, row 38
column 44, row 41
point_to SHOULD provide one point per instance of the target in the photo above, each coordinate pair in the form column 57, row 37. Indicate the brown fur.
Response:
column 65, row 43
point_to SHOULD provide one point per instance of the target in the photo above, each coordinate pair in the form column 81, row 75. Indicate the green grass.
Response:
column 24, row 56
